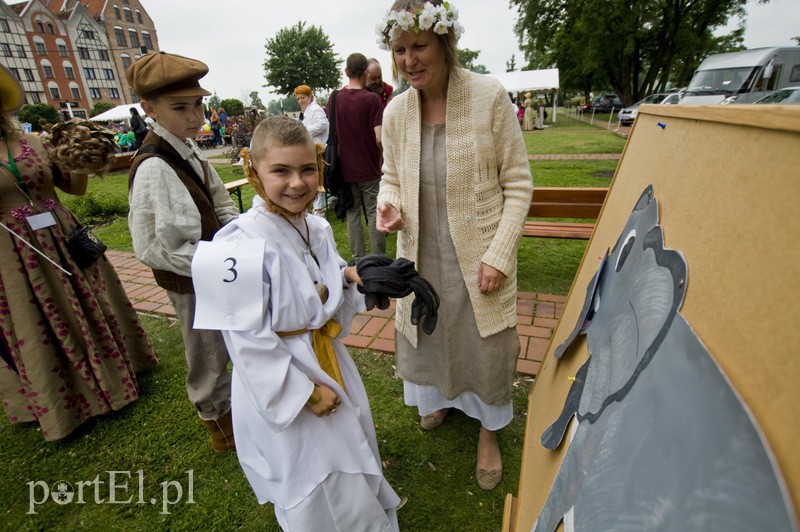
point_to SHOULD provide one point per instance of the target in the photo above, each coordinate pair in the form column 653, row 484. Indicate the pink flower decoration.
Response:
column 49, row 204
column 20, row 213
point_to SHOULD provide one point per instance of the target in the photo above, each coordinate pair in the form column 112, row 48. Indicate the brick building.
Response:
column 73, row 54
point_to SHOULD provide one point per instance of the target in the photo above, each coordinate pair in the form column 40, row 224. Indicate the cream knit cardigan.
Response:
column 489, row 189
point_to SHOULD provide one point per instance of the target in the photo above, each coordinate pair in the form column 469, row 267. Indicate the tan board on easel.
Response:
column 727, row 180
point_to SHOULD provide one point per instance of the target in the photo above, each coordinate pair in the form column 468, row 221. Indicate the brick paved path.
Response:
column 537, row 314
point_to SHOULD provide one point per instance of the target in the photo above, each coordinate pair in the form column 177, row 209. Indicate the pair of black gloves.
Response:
column 384, row 278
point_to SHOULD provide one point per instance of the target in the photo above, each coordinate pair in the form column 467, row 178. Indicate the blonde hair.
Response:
column 448, row 40
column 283, row 131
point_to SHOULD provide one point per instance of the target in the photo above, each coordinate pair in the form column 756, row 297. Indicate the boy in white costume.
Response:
column 304, row 432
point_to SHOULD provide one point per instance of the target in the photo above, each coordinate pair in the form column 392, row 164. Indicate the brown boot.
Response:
column 221, row 430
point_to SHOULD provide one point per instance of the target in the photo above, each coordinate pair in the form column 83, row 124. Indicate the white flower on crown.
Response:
column 438, row 18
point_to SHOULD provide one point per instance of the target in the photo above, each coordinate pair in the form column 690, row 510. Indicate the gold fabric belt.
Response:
column 322, row 344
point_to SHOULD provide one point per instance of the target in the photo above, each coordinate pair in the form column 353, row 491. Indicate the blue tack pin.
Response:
column 662, row 125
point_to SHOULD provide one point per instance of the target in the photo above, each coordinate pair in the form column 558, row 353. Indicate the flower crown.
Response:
column 439, row 18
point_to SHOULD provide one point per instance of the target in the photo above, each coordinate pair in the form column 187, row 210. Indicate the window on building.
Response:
column 15, row 71
column 126, row 61
column 5, row 48
column 76, row 93
column 94, row 92
column 50, row 29
column 40, row 27
column 4, row 25
column 120, row 37
column 128, row 14
column 139, row 17
column 116, row 13
column 33, row 97
column 21, row 51
column 113, row 93
column 108, row 73
column 103, row 54
column 69, row 72
column 28, row 74
column 62, row 50
column 54, row 93
column 40, row 49
column 89, row 73
column 88, row 34
column 48, row 71
column 83, row 53
column 147, row 42
column 134, row 38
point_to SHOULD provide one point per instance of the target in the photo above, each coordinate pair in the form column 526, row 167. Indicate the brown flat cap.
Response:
column 162, row 73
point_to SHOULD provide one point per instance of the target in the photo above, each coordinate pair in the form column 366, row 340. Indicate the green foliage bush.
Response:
column 31, row 113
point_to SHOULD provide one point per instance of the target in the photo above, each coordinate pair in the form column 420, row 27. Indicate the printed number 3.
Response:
column 232, row 269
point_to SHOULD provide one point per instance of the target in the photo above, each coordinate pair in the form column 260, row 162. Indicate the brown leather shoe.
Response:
column 221, row 430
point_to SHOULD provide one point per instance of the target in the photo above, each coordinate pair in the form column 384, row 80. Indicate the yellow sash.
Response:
column 322, row 344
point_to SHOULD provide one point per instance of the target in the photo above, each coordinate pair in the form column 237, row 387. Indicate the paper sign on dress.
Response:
column 230, row 295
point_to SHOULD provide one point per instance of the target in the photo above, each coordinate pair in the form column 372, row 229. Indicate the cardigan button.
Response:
column 467, row 217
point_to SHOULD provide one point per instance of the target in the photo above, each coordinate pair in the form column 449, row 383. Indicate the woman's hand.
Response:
column 489, row 278
column 328, row 402
column 388, row 219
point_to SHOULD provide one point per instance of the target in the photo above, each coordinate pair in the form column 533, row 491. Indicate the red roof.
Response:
column 17, row 8
column 94, row 7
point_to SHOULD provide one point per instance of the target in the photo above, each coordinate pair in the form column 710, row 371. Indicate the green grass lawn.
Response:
column 159, row 440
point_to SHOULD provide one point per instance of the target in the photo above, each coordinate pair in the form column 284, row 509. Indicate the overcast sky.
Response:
column 230, row 36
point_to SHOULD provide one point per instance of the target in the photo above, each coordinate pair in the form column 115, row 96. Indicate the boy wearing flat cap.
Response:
column 176, row 199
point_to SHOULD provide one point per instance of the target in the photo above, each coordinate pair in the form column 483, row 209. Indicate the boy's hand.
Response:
column 328, row 402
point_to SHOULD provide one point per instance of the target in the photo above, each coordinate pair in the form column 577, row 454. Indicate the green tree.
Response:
column 633, row 46
column 255, row 100
column 468, row 57
column 284, row 105
column 213, row 102
column 101, row 107
column 31, row 113
column 511, row 64
column 232, row 106
column 301, row 56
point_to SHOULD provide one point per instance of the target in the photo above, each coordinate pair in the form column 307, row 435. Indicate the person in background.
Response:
column 375, row 81
column 304, row 431
column 177, row 199
column 457, row 186
column 359, row 115
column 70, row 341
column 315, row 120
column 215, row 127
column 138, row 128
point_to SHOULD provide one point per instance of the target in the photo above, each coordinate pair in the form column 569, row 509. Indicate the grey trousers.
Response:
column 208, row 382
column 365, row 197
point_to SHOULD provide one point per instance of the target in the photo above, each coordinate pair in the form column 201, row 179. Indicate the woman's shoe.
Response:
column 431, row 421
column 488, row 480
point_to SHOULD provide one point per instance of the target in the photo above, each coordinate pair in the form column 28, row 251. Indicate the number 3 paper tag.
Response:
column 228, row 285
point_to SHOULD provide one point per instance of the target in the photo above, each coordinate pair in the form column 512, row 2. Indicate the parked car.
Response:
column 606, row 103
column 628, row 115
column 787, row 95
column 672, row 98
column 603, row 103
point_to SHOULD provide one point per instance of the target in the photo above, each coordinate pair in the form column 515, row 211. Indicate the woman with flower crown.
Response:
column 70, row 341
column 456, row 185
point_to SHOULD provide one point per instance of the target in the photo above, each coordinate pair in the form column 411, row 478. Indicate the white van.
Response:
column 743, row 77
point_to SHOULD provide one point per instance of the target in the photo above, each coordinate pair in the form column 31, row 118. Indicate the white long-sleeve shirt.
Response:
column 163, row 219
column 316, row 122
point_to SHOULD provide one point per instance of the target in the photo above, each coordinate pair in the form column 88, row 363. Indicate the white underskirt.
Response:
column 428, row 399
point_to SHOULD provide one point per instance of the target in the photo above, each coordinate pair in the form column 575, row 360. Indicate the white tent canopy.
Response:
column 544, row 80
column 120, row 112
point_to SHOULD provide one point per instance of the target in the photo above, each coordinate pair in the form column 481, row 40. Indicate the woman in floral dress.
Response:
column 71, row 340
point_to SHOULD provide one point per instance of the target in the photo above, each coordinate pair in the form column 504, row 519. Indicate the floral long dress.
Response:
column 70, row 344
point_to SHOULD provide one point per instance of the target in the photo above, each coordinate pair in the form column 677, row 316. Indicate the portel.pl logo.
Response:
column 120, row 487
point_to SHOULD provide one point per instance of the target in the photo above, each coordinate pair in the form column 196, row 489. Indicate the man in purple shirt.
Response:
column 359, row 115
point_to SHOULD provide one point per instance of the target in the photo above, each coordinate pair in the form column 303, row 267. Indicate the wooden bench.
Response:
column 235, row 187
column 122, row 160
column 564, row 202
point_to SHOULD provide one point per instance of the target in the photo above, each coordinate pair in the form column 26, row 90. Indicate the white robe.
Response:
column 284, row 449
